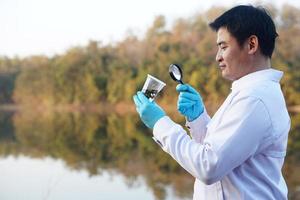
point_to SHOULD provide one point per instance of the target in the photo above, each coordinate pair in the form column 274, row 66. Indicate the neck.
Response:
column 254, row 64
column 259, row 63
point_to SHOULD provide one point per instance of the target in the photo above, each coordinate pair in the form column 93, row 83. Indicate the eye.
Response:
column 224, row 47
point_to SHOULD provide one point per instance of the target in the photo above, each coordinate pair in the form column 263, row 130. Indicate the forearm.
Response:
column 198, row 159
column 198, row 127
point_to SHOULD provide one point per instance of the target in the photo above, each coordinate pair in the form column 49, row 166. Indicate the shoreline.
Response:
column 101, row 108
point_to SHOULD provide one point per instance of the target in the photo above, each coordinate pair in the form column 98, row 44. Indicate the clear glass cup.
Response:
column 152, row 87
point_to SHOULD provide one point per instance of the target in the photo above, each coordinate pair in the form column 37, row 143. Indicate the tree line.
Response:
column 86, row 75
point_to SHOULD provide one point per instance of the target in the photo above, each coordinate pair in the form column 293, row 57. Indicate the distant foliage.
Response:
column 113, row 73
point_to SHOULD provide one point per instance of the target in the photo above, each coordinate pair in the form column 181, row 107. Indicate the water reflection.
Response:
column 94, row 145
column 47, row 178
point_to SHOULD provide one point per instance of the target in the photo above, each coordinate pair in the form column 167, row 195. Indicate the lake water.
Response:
column 74, row 156
column 46, row 178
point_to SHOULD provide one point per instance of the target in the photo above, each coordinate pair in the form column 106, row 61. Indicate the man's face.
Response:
column 231, row 57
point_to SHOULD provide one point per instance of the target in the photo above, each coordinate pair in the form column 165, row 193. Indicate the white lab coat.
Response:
column 239, row 153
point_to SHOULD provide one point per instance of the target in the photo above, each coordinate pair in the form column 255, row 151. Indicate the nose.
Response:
column 219, row 57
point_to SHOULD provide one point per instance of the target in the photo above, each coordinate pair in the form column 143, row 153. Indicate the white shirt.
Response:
column 239, row 152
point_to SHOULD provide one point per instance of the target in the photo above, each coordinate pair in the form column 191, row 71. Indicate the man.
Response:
column 239, row 152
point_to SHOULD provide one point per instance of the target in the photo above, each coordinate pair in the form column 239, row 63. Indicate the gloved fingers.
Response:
column 185, row 100
column 143, row 99
column 181, row 110
column 184, row 105
column 137, row 102
column 188, row 95
column 181, row 87
column 191, row 89
column 186, row 88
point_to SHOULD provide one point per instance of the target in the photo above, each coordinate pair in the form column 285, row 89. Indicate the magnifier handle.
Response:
column 180, row 81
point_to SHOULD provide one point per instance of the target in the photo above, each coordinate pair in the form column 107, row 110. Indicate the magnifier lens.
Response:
column 175, row 73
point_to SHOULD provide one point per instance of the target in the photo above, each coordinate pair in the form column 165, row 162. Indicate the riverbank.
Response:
column 101, row 108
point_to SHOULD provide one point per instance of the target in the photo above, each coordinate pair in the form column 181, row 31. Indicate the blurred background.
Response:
column 68, row 71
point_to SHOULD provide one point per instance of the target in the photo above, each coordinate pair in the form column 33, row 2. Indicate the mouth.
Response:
column 222, row 67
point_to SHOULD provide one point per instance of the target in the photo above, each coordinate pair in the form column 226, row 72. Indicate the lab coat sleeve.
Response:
column 238, row 135
column 198, row 127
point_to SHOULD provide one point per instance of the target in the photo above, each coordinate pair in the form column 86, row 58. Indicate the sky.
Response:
column 49, row 27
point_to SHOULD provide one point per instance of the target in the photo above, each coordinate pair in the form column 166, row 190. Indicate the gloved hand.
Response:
column 149, row 112
column 189, row 102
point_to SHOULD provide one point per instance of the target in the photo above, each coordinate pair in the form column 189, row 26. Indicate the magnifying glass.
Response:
column 176, row 73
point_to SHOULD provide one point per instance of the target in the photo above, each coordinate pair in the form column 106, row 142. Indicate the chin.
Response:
column 227, row 76
column 224, row 74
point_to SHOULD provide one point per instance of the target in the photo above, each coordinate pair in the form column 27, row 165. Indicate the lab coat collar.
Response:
column 255, row 77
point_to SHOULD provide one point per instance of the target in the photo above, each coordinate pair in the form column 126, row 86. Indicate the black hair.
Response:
column 245, row 20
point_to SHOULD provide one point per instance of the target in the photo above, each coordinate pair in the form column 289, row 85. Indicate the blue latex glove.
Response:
column 189, row 102
column 149, row 111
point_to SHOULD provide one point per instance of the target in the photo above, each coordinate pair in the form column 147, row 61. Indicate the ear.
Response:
column 252, row 44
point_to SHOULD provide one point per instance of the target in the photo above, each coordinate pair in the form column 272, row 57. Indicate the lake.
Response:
column 77, row 155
